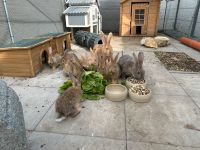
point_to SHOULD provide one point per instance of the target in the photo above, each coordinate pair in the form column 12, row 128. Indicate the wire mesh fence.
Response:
column 30, row 18
column 180, row 18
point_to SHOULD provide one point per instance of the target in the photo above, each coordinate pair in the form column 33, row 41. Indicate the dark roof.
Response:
column 24, row 43
column 78, row 2
column 50, row 34
column 77, row 10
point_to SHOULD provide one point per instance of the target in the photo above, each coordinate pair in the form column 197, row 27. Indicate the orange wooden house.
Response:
column 139, row 17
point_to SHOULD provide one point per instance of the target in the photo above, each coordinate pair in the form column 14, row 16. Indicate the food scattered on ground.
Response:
column 65, row 86
column 93, row 85
column 140, row 90
column 135, row 81
column 175, row 61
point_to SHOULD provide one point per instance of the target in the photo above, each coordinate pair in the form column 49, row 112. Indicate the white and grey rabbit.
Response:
column 68, row 104
column 132, row 66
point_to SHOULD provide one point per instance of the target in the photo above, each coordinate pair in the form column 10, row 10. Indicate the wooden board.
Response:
column 152, row 15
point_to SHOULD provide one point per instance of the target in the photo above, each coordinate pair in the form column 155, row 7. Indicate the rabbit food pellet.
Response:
column 140, row 90
column 135, row 81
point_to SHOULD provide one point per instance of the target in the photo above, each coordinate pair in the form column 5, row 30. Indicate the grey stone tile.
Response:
column 157, row 73
column 190, row 82
column 197, row 100
column 162, row 120
column 99, row 118
column 150, row 146
column 150, row 58
column 51, row 141
column 169, row 48
column 166, row 88
column 35, row 103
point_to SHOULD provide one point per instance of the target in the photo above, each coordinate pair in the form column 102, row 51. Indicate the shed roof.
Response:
column 76, row 10
column 81, row 2
column 25, row 43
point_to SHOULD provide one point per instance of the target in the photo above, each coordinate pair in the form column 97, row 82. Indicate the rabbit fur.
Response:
column 132, row 66
column 54, row 60
column 72, row 65
column 68, row 104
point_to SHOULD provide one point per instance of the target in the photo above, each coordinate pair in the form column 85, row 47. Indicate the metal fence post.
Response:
column 195, row 19
column 177, row 10
column 8, row 21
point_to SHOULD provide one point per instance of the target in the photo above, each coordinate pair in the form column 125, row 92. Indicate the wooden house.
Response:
column 27, row 57
column 139, row 17
column 60, row 41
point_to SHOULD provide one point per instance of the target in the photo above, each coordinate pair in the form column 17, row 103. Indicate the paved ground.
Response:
column 106, row 125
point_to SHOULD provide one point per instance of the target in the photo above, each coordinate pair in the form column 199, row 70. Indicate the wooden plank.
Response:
column 16, row 74
column 14, row 60
column 31, row 63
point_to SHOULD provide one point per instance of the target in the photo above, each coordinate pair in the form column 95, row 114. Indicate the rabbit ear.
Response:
column 75, row 81
column 135, row 57
column 109, row 38
column 50, row 50
column 116, row 57
column 103, row 38
column 140, row 58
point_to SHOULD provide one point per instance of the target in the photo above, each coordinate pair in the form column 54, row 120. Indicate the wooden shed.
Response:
column 139, row 17
column 60, row 41
column 27, row 57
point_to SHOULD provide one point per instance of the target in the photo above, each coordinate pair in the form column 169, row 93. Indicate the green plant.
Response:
column 65, row 86
column 93, row 85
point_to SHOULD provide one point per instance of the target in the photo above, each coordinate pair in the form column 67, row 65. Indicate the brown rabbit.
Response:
column 112, row 70
column 89, row 61
column 68, row 104
column 72, row 65
column 132, row 66
column 54, row 60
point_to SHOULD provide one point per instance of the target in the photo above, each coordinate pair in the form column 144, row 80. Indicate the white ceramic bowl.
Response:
column 129, row 84
column 116, row 92
column 139, row 98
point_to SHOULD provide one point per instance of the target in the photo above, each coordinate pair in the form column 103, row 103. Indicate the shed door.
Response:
column 139, row 18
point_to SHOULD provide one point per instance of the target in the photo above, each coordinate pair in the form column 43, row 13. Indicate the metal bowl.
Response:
column 116, row 92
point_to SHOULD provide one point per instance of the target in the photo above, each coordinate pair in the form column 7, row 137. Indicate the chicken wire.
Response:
column 30, row 18
column 182, row 18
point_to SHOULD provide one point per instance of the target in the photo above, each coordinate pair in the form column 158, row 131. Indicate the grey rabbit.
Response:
column 132, row 66
column 68, row 104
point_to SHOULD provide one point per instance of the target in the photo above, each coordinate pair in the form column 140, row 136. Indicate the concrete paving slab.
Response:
column 47, row 78
column 162, row 120
column 166, row 88
column 169, row 48
column 99, row 118
column 51, row 141
column 157, row 73
column 35, row 102
column 8, row 80
column 190, row 82
column 151, row 146
column 188, row 50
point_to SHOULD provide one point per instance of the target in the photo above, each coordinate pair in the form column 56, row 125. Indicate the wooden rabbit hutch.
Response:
column 60, row 41
column 27, row 57
column 139, row 17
